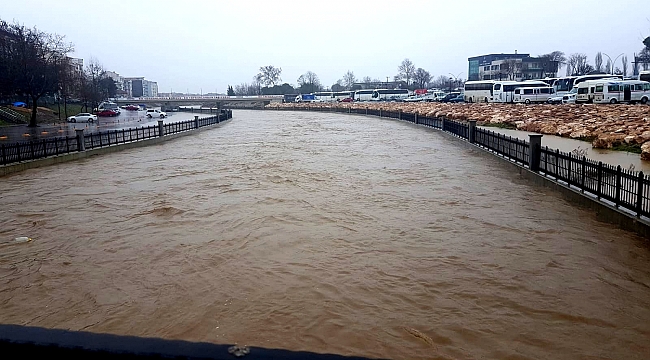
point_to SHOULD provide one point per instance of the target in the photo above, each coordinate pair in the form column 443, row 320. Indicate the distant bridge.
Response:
column 205, row 101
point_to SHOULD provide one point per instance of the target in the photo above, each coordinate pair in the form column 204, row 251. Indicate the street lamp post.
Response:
column 611, row 70
column 455, row 77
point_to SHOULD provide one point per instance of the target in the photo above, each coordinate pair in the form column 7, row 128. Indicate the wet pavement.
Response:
column 126, row 119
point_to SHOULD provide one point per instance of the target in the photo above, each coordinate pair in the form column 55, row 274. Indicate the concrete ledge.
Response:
column 32, row 164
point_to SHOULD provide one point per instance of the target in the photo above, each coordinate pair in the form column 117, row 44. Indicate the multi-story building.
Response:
column 76, row 64
column 515, row 67
column 117, row 79
column 139, row 87
column 149, row 88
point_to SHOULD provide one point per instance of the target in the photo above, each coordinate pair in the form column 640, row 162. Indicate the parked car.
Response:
column 450, row 96
column 107, row 112
column 155, row 113
column 347, row 100
column 82, row 117
column 555, row 100
column 460, row 98
column 132, row 107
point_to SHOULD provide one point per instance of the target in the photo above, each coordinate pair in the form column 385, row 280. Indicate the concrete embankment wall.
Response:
column 31, row 164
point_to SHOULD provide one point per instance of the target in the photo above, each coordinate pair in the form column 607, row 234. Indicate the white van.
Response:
column 528, row 95
column 613, row 91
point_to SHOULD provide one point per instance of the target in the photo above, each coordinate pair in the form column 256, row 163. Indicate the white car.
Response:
column 82, row 117
column 155, row 113
column 569, row 98
column 555, row 100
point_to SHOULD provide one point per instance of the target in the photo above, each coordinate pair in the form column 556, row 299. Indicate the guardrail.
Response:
column 37, row 149
column 624, row 189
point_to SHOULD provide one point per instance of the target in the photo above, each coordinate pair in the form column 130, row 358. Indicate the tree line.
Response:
column 35, row 64
column 269, row 82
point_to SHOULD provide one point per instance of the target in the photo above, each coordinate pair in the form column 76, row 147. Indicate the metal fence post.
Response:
column 415, row 118
column 534, row 151
column 196, row 121
column 81, row 142
column 639, row 194
column 379, row 112
column 472, row 133
column 161, row 129
column 4, row 154
column 600, row 179
column 618, row 185
column 584, row 170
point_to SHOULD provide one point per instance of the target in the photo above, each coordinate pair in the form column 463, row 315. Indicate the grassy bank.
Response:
column 73, row 109
column 627, row 147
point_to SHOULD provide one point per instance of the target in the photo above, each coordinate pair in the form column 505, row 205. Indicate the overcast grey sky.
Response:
column 193, row 45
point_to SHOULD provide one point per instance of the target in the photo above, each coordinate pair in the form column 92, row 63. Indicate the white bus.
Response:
column 478, row 91
column 613, row 91
column 529, row 95
column 389, row 94
column 496, row 91
column 323, row 96
column 565, row 84
column 338, row 96
column 363, row 95
column 504, row 91
column 644, row 76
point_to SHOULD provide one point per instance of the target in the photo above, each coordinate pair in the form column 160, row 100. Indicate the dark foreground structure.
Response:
column 39, row 343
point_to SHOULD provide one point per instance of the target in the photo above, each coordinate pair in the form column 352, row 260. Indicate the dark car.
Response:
column 449, row 96
column 347, row 100
column 458, row 99
column 107, row 112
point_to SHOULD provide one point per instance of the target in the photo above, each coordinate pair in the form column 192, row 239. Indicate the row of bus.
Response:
column 359, row 95
column 597, row 88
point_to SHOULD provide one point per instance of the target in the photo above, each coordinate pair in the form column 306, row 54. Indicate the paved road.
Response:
column 127, row 119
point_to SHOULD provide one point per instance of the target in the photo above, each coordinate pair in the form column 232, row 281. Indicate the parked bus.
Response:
column 529, row 95
column 363, row 95
column 644, row 76
column 613, row 91
column 323, row 96
column 478, row 91
column 338, row 96
column 504, row 91
column 389, row 94
column 565, row 84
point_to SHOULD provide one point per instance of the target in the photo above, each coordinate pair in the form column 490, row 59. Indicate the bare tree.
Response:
column 608, row 67
column 442, row 82
column 349, row 79
column 33, row 61
column 421, row 78
column 309, row 82
column 624, row 64
column 511, row 68
column 578, row 64
column 367, row 80
column 406, row 71
column 269, row 75
column 598, row 62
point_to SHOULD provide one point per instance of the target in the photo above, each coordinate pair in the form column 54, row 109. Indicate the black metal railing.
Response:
column 626, row 189
column 511, row 148
column 36, row 149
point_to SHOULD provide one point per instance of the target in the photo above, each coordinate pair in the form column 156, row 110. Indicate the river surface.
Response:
column 321, row 232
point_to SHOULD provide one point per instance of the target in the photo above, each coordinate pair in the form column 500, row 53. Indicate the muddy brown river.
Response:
column 321, row 232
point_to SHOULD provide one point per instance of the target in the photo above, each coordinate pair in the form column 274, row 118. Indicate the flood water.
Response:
column 321, row 232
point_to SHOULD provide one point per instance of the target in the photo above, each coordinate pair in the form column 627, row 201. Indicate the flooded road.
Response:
column 321, row 232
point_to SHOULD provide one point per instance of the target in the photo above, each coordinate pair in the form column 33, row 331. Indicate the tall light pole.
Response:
column 610, row 60
column 455, row 77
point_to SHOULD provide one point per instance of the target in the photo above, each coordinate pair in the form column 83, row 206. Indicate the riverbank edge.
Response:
column 604, row 212
column 52, row 160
